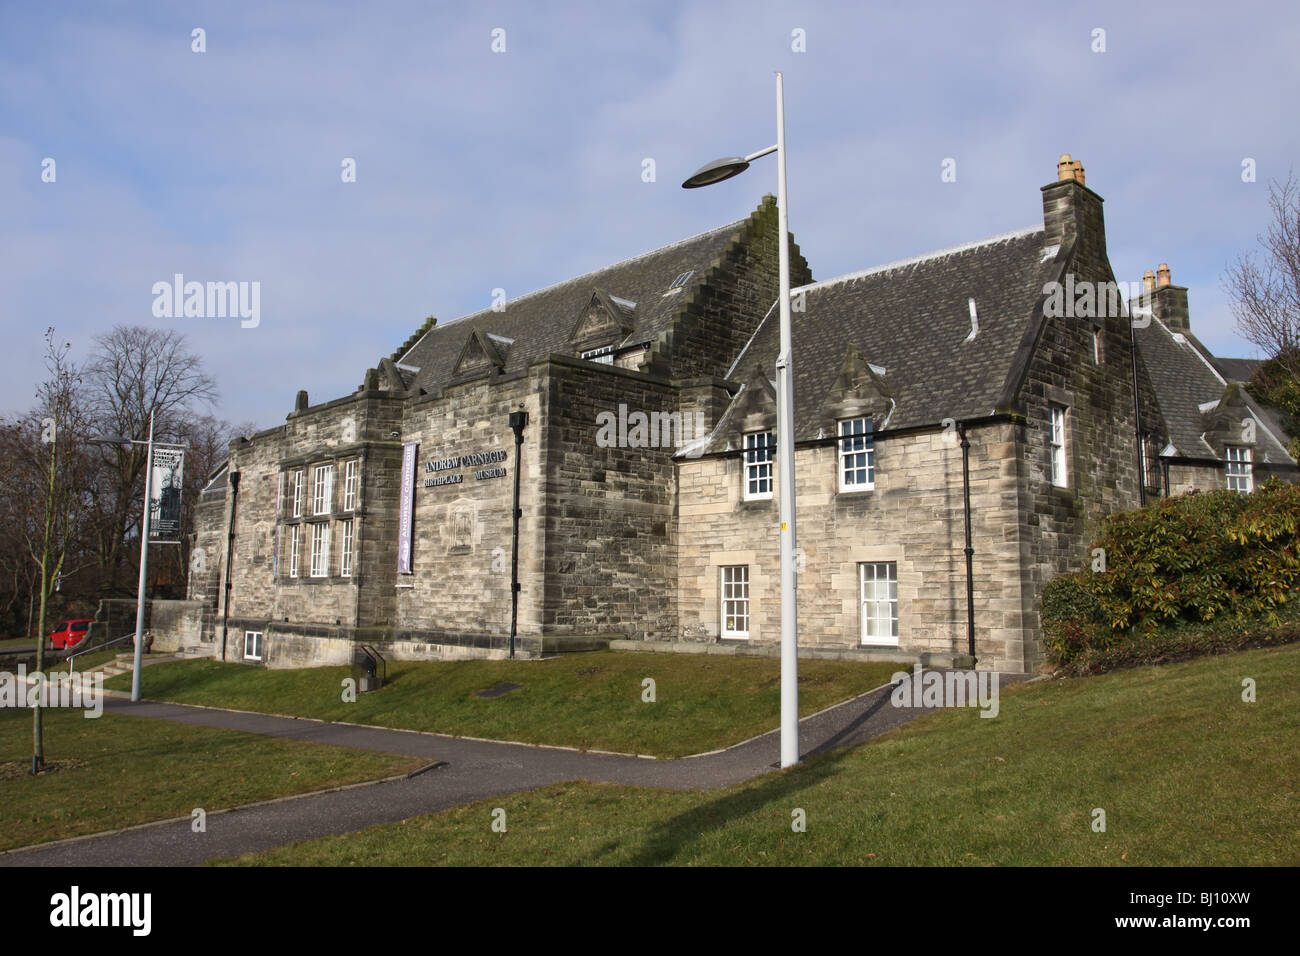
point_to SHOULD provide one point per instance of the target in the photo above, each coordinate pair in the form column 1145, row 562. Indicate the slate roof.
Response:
column 1236, row 369
column 1184, row 376
column 542, row 322
column 912, row 319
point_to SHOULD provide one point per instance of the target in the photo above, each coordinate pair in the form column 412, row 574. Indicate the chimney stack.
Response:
column 1072, row 215
column 1168, row 302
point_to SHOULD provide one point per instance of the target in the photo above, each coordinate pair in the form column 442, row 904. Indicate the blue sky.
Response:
column 479, row 170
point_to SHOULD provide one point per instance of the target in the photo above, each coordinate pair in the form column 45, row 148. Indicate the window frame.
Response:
column 752, row 465
column 320, row 548
column 298, row 478
column 742, row 600
column 1245, row 468
column 890, row 601
column 346, row 545
column 322, row 499
column 351, row 483
column 295, row 548
column 843, row 455
column 259, row 639
column 1058, row 459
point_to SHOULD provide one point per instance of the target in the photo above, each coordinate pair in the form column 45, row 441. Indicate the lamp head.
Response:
column 716, row 172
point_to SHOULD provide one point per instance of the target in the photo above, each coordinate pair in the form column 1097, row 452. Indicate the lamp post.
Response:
column 716, row 172
column 144, row 542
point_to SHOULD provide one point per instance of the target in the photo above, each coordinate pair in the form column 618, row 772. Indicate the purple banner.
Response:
column 406, row 508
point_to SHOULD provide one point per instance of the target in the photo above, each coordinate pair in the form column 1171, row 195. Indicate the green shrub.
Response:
column 1073, row 619
column 1200, row 557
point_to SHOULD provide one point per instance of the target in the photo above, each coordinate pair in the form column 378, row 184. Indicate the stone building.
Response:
column 1002, row 372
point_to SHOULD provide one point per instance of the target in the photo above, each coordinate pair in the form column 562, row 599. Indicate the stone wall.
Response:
column 610, row 553
column 459, row 589
column 914, row 517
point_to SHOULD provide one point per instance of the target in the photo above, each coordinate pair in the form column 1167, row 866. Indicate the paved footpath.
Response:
column 470, row 770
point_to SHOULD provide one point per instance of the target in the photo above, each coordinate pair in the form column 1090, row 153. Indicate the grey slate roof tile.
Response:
column 912, row 318
column 541, row 322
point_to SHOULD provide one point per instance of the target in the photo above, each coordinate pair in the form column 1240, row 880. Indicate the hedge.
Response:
column 1199, row 557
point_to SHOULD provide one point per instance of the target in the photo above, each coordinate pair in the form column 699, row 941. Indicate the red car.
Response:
column 70, row 633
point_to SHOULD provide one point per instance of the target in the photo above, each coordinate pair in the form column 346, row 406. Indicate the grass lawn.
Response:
column 114, row 771
column 1187, row 773
column 591, row 700
column 20, row 642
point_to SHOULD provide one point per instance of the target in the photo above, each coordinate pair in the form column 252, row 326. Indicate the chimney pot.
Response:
column 1148, row 281
column 1078, row 171
column 1162, row 275
column 1064, row 168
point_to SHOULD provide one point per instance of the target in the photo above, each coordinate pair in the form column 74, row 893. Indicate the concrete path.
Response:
column 470, row 770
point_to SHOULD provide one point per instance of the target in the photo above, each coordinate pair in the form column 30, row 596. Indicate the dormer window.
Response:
column 605, row 356
column 759, row 448
column 857, row 455
column 1240, row 477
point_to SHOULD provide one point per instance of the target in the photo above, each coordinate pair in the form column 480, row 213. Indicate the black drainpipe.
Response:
column 970, row 551
column 518, row 422
column 230, row 546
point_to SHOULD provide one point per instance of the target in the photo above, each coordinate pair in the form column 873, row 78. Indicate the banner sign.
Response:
column 406, row 508
column 166, row 477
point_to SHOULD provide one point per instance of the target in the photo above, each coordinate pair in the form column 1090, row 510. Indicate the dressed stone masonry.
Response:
column 647, row 476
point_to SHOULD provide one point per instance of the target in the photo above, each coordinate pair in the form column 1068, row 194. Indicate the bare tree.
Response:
column 1265, row 287
column 58, row 433
column 136, row 370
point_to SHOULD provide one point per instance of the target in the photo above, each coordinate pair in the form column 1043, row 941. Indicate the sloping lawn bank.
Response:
column 1186, row 772
column 593, row 701
column 115, row 771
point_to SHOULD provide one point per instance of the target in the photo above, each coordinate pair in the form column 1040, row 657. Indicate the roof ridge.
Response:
column 924, row 257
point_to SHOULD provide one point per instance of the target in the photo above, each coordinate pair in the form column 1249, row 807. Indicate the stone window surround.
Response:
column 862, row 605
column 322, row 499
column 351, row 483
column 712, row 611
column 320, row 548
column 1059, row 398
column 347, row 545
column 723, row 633
column 299, row 468
column 846, row 583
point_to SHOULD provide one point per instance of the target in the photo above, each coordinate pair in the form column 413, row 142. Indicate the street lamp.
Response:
column 716, row 172
column 144, row 542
